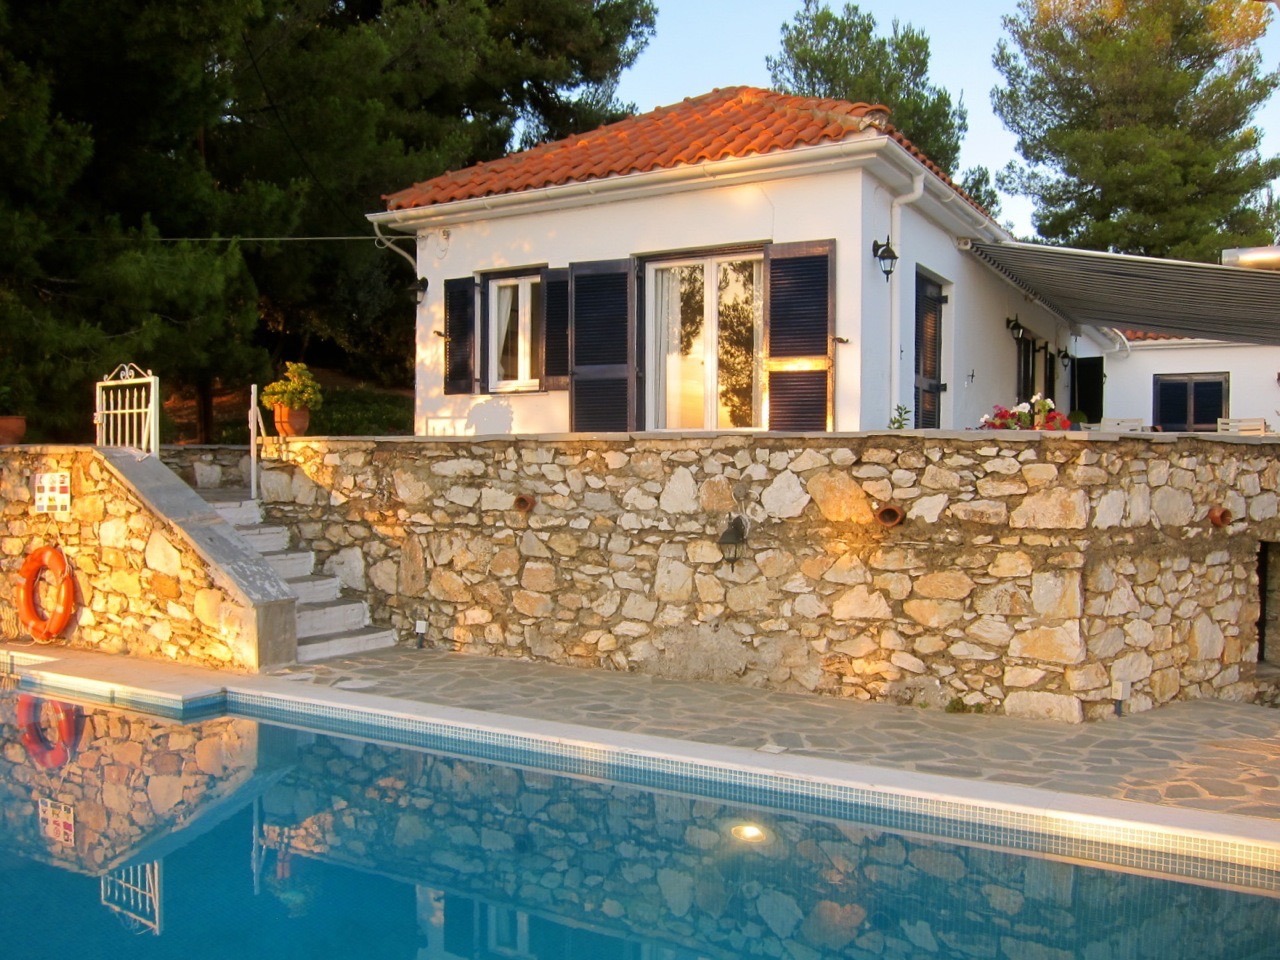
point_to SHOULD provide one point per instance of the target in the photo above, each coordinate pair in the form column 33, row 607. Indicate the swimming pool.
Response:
column 236, row 837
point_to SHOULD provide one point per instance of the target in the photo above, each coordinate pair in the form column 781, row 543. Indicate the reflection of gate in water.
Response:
column 127, row 409
column 134, row 893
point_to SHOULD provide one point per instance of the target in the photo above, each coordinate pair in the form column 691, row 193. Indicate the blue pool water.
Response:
column 236, row 838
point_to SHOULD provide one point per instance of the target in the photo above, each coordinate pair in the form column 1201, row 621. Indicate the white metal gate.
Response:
column 135, row 894
column 127, row 409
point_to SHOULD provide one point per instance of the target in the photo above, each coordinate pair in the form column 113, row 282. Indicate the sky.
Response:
column 703, row 44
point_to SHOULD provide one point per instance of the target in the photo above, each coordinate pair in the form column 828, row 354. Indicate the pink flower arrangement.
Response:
column 1035, row 414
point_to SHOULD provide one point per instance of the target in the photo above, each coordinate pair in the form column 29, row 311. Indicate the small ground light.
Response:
column 749, row 833
column 420, row 628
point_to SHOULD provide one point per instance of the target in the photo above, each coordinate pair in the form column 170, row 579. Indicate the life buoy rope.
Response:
column 46, row 753
column 45, row 628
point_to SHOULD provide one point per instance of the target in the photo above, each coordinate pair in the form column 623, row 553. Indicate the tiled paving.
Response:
column 1209, row 755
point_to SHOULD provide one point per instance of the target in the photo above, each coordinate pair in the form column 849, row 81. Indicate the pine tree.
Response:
column 1134, row 119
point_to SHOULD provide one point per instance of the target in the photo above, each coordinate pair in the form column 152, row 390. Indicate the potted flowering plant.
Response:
column 13, row 425
column 1035, row 414
column 292, row 398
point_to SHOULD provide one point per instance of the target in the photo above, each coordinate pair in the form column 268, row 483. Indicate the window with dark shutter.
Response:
column 601, row 334
column 799, row 314
column 460, row 333
column 555, row 326
column 1190, row 401
column 928, row 380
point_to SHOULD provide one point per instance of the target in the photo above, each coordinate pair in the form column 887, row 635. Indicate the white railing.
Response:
column 127, row 409
column 135, row 894
column 257, row 430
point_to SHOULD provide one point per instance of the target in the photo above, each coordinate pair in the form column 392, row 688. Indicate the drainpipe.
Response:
column 895, row 300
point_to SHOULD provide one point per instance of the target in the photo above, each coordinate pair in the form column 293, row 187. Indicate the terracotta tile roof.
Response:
column 1136, row 336
column 728, row 123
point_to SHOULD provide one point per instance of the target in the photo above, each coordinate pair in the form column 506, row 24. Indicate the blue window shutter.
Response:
column 460, row 333
column 555, row 329
column 602, row 384
column 799, row 312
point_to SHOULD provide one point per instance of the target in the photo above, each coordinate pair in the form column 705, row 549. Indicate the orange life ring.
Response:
column 39, row 748
column 55, row 561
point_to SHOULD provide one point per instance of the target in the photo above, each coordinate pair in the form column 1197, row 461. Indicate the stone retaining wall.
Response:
column 157, row 573
column 1030, row 574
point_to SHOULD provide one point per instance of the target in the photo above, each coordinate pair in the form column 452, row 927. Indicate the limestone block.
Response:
column 1164, row 684
column 1012, row 563
column 907, row 662
column 1205, row 640
column 779, row 912
column 928, row 509
column 1060, row 644
column 1057, row 595
column 1172, row 507
column 703, row 551
column 933, row 613
column 460, row 467
column 635, row 498
column 710, row 589
column 412, row 573
column 532, row 546
column 1139, row 633
column 963, row 650
column 1038, row 705
column 413, row 484
column 832, row 926
column 114, row 533
column 348, row 566
column 125, row 583
column 162, row 556
column 944, row 585
column 384, row 576
column 165, row 587
column 539, row 576
column 1023, row 676
column 715, row 496
column 1110, row 510
column 87, row 508
column 992, row 487
column 839, row 497
column 673, row 581
column 1038, row 474
column 276, row 485
column 980, row 511
column 638, row 607
column 861, row 604
column 449, row 586
column 810, row 606
column 208, row 606
column 1058, row 508
column 992, row 631
column 1132, row 667
column 848, row 569
column 680, row 495
column 532, row 604
column 1263, row 507
column 747, row 597
column 1090, row 676
column 785, row 497
column 1002, row 599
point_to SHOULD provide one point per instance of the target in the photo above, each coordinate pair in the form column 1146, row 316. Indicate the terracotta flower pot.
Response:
column 291, row 421
column 12, row 429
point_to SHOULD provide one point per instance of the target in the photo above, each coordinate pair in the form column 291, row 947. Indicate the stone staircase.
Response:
column 329, row 625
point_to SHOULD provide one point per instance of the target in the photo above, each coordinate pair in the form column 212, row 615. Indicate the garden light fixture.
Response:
column 886, row 256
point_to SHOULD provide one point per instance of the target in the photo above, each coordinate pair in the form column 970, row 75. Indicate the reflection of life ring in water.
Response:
column 39, row 748
column 55, row 561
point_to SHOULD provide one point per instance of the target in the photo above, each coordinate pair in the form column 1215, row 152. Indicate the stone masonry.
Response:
column 1035, row 574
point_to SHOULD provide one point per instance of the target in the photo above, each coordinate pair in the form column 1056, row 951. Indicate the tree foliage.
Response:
column 1134, row 119
column 145, row 147
column 840, row 55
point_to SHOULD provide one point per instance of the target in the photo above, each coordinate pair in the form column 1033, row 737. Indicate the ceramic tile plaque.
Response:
column 58, row 821
column 53, row 494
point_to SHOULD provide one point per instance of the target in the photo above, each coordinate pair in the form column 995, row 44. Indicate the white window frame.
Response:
column 656, row 345
column 528, row 378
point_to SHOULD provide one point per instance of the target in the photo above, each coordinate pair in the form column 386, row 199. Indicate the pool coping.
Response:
column 1199, row 844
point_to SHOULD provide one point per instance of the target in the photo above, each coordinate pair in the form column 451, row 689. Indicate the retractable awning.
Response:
column 1143, row 293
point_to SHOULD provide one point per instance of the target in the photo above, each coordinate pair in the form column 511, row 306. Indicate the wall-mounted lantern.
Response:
column 419, row 289
column 733, row 540
column 886, row 256
column 1016, row 329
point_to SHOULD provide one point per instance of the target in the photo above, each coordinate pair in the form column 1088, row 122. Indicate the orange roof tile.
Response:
column 729, row 123
column 1136, row 336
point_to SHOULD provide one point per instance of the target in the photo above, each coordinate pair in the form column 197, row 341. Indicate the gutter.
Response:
column 895, row 293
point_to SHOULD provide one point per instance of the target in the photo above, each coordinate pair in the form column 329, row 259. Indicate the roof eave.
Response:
column 859, row 150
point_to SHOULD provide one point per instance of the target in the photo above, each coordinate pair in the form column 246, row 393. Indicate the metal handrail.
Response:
column 257, row 430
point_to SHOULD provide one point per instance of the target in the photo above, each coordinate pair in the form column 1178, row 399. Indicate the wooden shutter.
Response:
column 601, row 346
column 555, row 329
column 799, row 310
column 460, row 335
column 928, row 382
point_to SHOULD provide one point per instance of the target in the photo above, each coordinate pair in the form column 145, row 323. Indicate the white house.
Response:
column 712, row 265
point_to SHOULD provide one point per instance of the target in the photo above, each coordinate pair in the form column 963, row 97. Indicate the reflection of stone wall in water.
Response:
column 131, row 781
column 665, row 868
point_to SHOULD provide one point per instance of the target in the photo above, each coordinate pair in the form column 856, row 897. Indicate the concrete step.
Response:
column 239, row 513
column 346, row 642
column 265, row 539
column 291, row 563
column 332, row 616
column 315, row 588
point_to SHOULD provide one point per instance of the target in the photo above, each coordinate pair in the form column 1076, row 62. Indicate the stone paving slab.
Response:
column 1208, row 755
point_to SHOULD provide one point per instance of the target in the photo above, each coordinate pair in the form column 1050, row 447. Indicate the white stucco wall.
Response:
column 850, row 205
column 1254, row 389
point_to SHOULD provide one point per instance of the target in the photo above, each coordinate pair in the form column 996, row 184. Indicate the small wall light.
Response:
column 1065, row 358
column 886, row 256
column 1016, row 329
column 419, row 289
column 734, row 539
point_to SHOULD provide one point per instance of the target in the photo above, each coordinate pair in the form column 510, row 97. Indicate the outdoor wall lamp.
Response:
column 1016, row 329
column 733, row 539
column 886, row 256
column 419, row 289
column 1065, row 359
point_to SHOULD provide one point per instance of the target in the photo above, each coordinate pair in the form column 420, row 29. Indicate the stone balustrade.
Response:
column 1040, row 575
